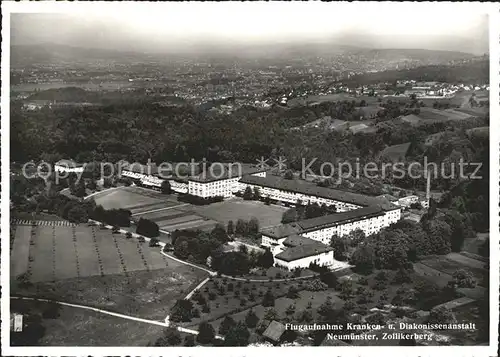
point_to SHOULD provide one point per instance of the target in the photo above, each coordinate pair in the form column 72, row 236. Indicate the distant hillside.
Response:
column 50, row 52
column 470, row 72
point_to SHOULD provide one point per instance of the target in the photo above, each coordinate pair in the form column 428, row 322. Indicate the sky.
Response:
column 158, row 26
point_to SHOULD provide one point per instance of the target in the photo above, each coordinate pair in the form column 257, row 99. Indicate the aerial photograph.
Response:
column 248, row 174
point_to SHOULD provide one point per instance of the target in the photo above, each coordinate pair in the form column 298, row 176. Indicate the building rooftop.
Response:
column 307, row 188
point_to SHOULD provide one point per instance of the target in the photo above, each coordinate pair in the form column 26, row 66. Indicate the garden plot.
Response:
column 108, row 253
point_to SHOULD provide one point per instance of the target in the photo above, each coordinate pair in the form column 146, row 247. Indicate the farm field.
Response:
column 63, row 252
column 94, row 329
column 233, row 210
column 194, row 224
column 332, row 98
column 171, row 215
column 20, row 250
column 316, row 298
column 136, row 210
column 135, row 199
column 466, row 261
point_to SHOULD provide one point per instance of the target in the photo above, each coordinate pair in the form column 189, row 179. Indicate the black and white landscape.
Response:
column 249, row 174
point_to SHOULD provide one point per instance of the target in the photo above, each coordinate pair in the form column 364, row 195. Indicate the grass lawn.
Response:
column 231, row 299
column 77, row 327
column 448, row 266
column 438, row 277
column 138, row 209
column 233, row 210
column 146, row 294
column 41, row 216
column 66, row 252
